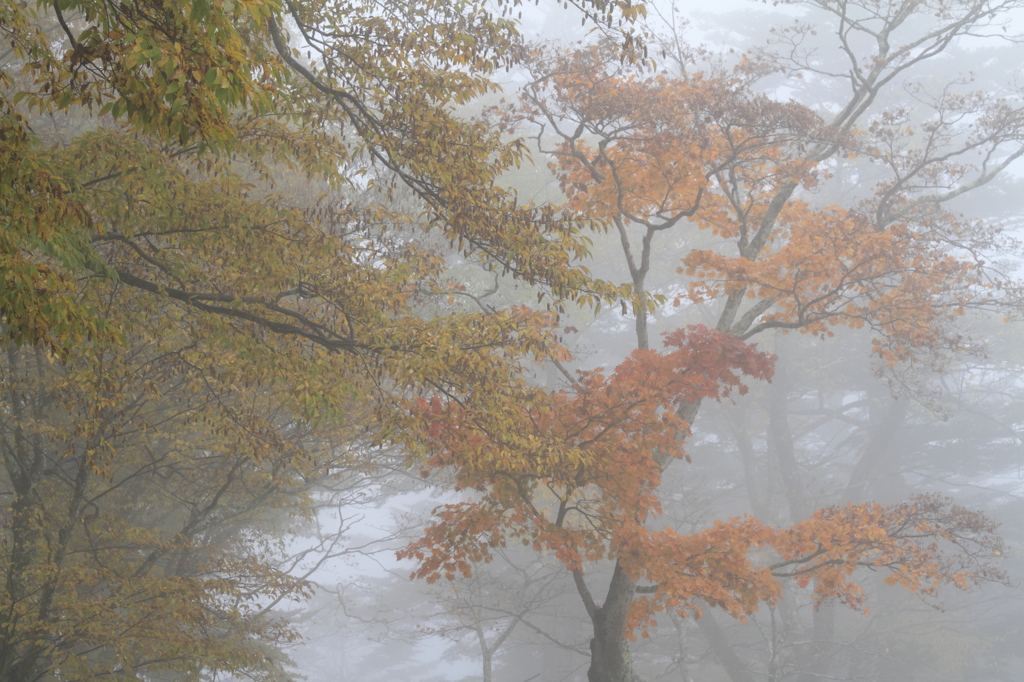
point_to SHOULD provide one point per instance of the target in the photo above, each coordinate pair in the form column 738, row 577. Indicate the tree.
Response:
column 138, row 478
column 596, row 505
column 494, row 603
column 577, row 472
column 150, row 263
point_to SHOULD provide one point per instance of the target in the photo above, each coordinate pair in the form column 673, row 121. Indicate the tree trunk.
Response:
column 610, row 658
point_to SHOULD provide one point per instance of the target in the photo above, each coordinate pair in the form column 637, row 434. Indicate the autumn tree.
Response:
column 173, row 321
column 703, row 154
column 144, row 478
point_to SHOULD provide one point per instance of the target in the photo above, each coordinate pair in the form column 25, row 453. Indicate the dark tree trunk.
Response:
column 610, row 658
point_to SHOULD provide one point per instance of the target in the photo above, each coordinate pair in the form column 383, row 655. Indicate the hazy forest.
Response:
column 554, row 341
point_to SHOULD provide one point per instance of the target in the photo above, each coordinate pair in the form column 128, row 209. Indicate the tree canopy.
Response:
column 177, row 314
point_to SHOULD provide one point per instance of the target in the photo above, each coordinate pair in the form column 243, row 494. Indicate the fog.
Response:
column 834, row 426
column 812, row 208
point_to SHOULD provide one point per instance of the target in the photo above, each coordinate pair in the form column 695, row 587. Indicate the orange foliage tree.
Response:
column 576, row 472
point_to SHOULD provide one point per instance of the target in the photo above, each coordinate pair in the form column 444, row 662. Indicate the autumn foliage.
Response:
column 574, row 469
column 211, row 239
column 575, row 473
column 650, row 152
column 736, row 565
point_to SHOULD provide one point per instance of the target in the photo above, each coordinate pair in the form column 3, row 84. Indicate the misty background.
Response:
column 831, row 428
column 836, row 425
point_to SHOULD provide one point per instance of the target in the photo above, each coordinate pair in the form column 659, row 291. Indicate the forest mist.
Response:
column 391, row 341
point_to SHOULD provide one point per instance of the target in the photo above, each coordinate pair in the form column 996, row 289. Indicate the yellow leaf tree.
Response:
column 176, row 312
